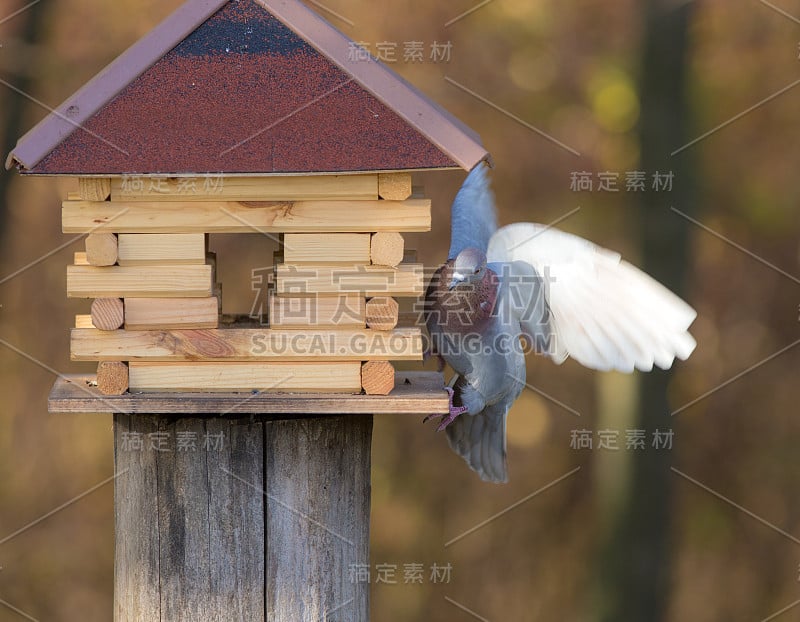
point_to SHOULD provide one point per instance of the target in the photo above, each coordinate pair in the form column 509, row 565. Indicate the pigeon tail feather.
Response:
column 481, row 440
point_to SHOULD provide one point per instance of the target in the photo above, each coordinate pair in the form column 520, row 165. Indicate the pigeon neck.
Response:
column 475, row 304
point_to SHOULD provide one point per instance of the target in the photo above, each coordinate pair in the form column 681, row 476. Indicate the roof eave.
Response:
column 197, row 175
column 11, row 159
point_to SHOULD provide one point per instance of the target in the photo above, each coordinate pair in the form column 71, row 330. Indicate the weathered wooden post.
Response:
column 242, row 448
column 269, row 522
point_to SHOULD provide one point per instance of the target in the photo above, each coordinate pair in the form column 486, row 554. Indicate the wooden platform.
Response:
column 415, row 393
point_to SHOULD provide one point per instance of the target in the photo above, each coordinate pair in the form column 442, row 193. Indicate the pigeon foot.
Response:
column 455, row 411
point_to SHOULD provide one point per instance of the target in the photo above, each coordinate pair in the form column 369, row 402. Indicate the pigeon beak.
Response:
column 457, row 280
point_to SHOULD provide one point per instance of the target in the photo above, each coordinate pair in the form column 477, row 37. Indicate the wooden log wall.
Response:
column 332, row 310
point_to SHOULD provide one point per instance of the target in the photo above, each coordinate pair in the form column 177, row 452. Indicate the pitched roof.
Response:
column 245, row 86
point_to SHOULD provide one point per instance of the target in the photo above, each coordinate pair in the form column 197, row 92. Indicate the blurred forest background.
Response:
column 633, row 535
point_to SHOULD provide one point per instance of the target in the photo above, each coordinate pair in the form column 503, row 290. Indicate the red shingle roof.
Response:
column 247, row 87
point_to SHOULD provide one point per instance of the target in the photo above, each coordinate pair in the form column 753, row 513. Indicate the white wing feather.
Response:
column 605, row 313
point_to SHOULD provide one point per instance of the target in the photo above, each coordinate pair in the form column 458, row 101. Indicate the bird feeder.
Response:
column 242, row 449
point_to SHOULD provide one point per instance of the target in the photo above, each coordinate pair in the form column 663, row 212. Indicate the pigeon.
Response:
column 525, row 288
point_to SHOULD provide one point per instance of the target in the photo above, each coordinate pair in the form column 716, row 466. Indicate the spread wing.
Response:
column 605, row 313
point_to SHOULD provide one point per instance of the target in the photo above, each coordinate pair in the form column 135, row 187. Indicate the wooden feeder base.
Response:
column 415, row 393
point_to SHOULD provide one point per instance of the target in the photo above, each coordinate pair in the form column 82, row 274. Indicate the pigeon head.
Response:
column 469, row 267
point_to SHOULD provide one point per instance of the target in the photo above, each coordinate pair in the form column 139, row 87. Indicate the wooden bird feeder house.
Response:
column 243, row 116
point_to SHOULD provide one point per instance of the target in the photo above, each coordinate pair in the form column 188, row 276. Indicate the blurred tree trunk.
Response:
column 634, row 565
column 28, row 26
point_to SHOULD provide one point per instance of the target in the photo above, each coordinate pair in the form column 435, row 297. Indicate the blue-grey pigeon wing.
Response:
column 473, row 217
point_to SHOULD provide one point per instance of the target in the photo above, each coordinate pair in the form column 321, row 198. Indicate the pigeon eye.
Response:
column 477, row 270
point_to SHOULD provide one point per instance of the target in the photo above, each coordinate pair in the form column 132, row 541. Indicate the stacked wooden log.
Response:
column 333, row 314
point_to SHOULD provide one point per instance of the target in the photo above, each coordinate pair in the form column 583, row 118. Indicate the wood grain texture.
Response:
column 339, row 377
column 236, row 518
column 84, row 321
column 387, row 248
column 263, row 525
column 190, row 537
column 405, row 280
column 183, row 526
column 415, row 393
column 211, row 527
column 352, row 248
column 107, row 313
column 79, row 258
column 278, row 188
column 246, row 344
column 137, row 557
column 171, row 313
column 394, row 186
column 382, row 313
column 113, row 377
column 247, row 217
column 101, row 249
column 346, row 311
column 94, row 188
column 161, row 248
column 139, row 281
column 377, row 377
column 318, row 486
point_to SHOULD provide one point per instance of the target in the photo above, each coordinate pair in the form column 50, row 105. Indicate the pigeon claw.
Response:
column 455, row 411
